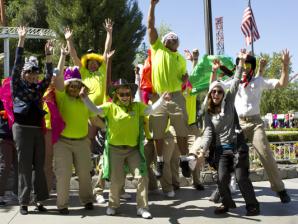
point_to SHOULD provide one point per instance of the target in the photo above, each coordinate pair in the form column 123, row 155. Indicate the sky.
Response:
column 276, row 21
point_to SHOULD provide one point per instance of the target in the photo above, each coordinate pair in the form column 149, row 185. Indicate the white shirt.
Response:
column 248, row 99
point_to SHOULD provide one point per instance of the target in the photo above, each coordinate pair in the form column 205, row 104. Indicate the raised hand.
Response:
column 84, row 92
column 188, row 55
column 64, row 50
column 215, row 65
column 22, row 31
column 154, row 2
column 108, row 25
column 49, row 47
column 110, row 54
column 195, row 54
column 67, row 33
column 262, row 63
column 285, row 57
column 242, row 55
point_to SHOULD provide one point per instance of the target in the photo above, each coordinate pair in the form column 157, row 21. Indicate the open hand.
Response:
column 22, row 31
column 108, row 25
column 84, row 92
column 64, row 50
column 188, row 55
column 285, row 57
column 242, row 55
column 67, row 33
column 215, row 64
column 49, row 47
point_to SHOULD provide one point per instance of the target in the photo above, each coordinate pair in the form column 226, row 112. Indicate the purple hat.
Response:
column 72, row 74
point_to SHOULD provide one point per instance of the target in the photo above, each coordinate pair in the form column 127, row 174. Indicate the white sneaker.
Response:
column 100, row 199
column 126, row 196
column 144, row 213
column 111, row 211
column 170, row 194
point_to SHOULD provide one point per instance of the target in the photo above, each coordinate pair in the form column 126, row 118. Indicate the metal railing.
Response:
column 32, row 33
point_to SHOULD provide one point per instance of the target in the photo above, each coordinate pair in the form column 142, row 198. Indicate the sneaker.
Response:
column 170, row 194
column 186, row 172
column 199, row 187
column 100, row 199
column 2, row 202
column 89, row 206
column 111, row 211
column 144, row 213
column 253, row 211
column 284, row 197
column 64, row 211
column 125, row 196
column 24, row 210
column 159, row 169
column 221, row 210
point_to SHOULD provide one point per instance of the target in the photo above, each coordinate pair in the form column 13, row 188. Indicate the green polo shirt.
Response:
column 167, row 68
column 123, row 125
column 75, row 115
column 96, row 82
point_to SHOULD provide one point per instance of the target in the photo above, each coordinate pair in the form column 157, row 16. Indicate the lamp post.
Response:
column 208, row 27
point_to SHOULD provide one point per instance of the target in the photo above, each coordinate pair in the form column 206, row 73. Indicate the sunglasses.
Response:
column 126, row 94
column 219, row 92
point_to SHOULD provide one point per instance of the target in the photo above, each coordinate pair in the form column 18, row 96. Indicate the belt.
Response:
column 72, row 139
column 249, row 118
column 123, row 146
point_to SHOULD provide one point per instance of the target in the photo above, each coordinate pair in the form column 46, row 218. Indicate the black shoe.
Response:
column 89, row 206
column 252, row 211
column 221, row 210
column 159, row 169
column 24, row 210
column 40, row 208
column 199, row 187
column 186, row 172
column 284, row 197
column 64, row 211
column 176, row 187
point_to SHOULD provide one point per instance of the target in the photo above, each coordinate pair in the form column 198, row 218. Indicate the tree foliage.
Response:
column 85, row 18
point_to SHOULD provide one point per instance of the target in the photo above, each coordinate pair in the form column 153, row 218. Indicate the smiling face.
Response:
column 73, row 88
column 31, row 76
column 217, row 94
column 124, row 95
column 93, row 65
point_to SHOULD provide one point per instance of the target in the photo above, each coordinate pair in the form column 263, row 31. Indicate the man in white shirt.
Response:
column 248, row 108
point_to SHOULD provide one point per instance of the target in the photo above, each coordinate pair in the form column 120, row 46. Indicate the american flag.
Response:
column 249, row 26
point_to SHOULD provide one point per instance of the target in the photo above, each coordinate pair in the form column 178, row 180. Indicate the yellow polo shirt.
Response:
column 167, row 68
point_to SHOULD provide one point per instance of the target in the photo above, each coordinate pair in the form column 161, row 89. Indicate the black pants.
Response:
column 30, row 147
column 239, row 163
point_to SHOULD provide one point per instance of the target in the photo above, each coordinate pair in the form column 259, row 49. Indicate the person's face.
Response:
column 246, row 68
column 217, row 94
column 92, row 65
column 73, row 88
column 124, row 95
column 172, row 44
column 31, row 77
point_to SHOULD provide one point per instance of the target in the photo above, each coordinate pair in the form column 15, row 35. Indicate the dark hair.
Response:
column 211, row 107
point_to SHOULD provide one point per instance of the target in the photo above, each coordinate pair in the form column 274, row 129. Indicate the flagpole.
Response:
column 252, row 33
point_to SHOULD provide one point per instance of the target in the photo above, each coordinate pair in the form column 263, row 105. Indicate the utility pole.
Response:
column 208, row 27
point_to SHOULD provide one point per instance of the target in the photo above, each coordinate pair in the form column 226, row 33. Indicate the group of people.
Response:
column 54, row 121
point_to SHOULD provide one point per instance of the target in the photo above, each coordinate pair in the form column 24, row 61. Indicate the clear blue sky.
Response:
column 276, row 21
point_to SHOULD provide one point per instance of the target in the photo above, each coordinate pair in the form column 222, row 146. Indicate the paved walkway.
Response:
column 189, row 206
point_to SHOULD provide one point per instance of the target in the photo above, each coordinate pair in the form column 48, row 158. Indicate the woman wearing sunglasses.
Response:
column 125, row 142
column 230, row 152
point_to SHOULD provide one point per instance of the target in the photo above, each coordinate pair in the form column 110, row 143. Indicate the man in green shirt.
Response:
column 168, row 74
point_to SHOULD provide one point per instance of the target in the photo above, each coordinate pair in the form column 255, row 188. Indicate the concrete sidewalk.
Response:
column 188, row 206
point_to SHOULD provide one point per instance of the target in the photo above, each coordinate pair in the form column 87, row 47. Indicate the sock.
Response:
column 159, row 158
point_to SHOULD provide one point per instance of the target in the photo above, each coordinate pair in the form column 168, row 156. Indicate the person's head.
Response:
column 73, row 81
column 171, row 41
column 92, row 61
column 123, row 92
column 30, row 70
column 249, row 65
column 216, row 95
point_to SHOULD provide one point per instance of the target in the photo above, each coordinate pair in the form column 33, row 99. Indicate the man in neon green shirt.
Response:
column 168, row 74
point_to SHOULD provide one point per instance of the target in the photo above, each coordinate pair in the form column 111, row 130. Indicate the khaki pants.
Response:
column 253, row 129
column 130, row 156
column 66, row 153
column 171, row 155
column 193, row 134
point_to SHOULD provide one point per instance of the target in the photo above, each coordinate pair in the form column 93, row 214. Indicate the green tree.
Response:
column 85, row 18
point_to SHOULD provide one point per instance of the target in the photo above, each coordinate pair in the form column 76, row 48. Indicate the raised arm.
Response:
column 152, row 32
column 91, row 106
column 262, row 65
column 108, row 25
column 215, row 66
column 72, row 51
column 193, row 57
column 43, row 85
column 284, row 79
column 59, row 80
column 109, row 70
